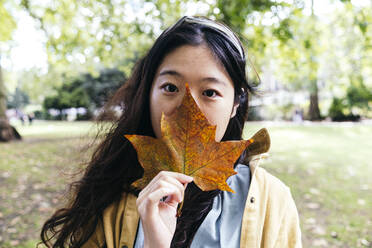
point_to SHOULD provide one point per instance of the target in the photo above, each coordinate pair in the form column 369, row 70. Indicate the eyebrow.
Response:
column 214, row 80
column 170, row 72
column 205, row 79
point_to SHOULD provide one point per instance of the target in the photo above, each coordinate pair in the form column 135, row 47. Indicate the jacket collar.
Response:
column 258, row 149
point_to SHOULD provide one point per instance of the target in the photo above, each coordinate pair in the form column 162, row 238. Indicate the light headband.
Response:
column 214, row 25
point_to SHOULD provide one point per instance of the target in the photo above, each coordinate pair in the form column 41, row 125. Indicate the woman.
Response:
column 106, row 211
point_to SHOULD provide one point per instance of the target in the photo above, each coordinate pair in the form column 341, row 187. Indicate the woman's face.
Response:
column 210, row 85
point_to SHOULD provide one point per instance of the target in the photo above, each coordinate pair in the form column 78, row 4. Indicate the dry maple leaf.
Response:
column 188, row 146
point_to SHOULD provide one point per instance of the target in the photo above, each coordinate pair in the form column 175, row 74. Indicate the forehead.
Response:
column 196, row 60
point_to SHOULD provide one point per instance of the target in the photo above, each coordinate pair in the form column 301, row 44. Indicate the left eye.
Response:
column 210, row 93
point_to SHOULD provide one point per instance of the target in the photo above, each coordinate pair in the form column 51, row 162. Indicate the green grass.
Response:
column 329, row 172
column 326, row 166
column 33, row 176
column 55, row 129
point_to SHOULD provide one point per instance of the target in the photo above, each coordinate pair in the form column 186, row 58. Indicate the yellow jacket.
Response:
column 270, row 217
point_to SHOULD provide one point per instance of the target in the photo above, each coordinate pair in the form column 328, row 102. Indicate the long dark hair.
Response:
column 114, row 165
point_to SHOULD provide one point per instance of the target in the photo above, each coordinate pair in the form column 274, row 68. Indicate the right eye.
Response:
column 168, row 87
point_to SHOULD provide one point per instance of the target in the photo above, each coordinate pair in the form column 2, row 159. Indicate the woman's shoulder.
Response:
column 271, row 187
column 275, row 200
column 119, row 205
column 262, row 175
column 273, row 206
column 123, row 208
column 120, row 217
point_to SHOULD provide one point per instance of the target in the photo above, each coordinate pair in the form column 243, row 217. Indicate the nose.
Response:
column 196, row 97
column 173, row 105
column 178, row 101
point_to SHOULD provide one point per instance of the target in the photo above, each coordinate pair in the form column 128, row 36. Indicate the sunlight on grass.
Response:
column 331, row 160
column 55, row 128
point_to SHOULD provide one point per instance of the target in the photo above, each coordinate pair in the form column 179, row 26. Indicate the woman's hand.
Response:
column 159, row 217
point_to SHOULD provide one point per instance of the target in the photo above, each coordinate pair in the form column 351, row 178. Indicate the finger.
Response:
column 176, row 183
column 179, row 176
column 182, row 178
column 152, row 186
column 166, row 182
column 149, row 187
column 154, row 197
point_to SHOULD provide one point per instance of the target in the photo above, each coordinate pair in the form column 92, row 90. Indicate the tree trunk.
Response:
column 314, row 112
column 7, row 132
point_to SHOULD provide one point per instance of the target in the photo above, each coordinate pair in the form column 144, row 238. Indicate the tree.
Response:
column 325, row 55
column 85, row 36
column 236, row 13
column 240, row 16
column 297, row 53
column 18, row 99
column 69, row 95
column 7, row 25
column 102, row 87
column 88, row 35
column 344, row 63
column 86, row 91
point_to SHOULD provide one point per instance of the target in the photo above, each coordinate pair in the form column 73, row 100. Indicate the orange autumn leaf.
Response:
column 188, row 146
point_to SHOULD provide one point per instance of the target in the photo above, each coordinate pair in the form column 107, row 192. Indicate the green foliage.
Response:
column 254, row 113
column 104, row 86
column 283, row 31
column 7, row 23
column 339, row 111
column 68, row 96
column 302, row 50
column 356, row 103
column 234, row 13
column 86, row 91
column 85, row 35
column 18, row 99
column 358, row 95
column 298, row 52
column 279, row 112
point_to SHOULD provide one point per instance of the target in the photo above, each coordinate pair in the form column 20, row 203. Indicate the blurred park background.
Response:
column 310, row 61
